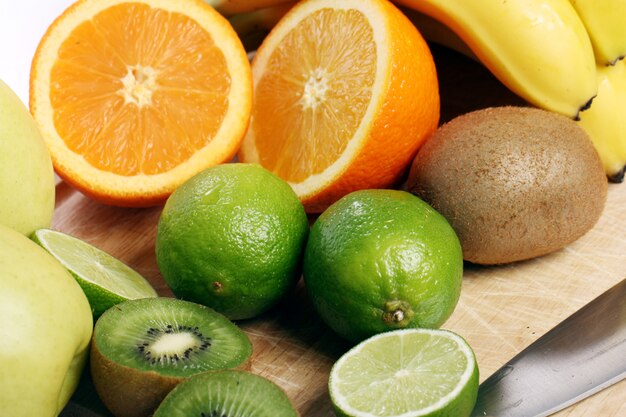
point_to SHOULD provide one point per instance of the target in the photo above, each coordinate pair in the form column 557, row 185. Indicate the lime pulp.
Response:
column 409, row 372
column 105, row 279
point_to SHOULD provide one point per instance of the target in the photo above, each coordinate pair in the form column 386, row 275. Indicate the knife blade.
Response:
column 580, row 356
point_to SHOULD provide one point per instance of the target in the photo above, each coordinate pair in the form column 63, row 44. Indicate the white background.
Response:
column 22, row 25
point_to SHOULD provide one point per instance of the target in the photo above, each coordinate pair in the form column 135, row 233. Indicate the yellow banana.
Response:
column 232, row 7
column 605, row 21
column 539, row 49
column 605, row 121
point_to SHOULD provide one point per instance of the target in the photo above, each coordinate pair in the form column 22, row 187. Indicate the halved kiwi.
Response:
column 226, row 393
column 141, row 349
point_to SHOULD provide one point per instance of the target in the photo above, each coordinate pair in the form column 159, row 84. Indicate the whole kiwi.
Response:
column 514, row 182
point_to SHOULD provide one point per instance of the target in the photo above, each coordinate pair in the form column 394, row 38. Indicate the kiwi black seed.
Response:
column 141, row 349
column 228, row 393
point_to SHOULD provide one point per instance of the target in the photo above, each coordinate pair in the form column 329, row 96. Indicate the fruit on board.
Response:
column 46, row 328
column 538, row 49
column 345, row 93
column 232, row 238
column 130, row 114
column 226, row 393
column 141, row 349
column 429, row 373
column 26, row 176
column 379, row 260
column 514, row 182
column 105, row 280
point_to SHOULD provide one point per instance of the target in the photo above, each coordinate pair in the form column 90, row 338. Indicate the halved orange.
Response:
column 345, row 94
column 134, row 97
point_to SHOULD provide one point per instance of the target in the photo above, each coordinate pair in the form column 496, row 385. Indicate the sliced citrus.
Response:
column 105, row 280
column 345, row 93
column 134, row 97
column 411, row 372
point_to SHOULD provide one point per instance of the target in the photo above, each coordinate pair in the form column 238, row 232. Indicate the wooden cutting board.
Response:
column 502, row 309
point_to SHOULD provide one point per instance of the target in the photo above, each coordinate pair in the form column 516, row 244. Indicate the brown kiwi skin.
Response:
column 130, row 392
column 514, row 182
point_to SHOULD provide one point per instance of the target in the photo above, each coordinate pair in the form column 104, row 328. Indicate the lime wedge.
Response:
column 105, row 280
column 408, row 373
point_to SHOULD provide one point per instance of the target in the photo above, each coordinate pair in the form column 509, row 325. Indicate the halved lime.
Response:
column 105, row 279
column 408, row 373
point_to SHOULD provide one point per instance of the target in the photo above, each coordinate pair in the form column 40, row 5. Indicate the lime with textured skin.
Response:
column 105, row 280
column 232, row 238
column 409, row 372
column 379, row 260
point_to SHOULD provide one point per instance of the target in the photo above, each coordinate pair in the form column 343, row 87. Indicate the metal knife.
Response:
column 582, row 355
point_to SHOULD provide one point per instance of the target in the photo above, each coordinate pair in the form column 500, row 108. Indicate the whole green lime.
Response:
column 379, row 260
column 232, row 238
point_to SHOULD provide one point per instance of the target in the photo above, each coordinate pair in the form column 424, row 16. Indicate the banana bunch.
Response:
column 560, row 55
column 539, row 49
column 563, row 56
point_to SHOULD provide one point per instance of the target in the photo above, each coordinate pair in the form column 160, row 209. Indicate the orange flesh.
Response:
column 316, row 91
column 138, row 87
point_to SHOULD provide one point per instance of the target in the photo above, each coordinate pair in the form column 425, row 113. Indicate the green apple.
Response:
column 26, row 174
column 46, row 329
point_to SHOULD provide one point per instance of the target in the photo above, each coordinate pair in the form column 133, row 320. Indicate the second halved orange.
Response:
column 345, row 94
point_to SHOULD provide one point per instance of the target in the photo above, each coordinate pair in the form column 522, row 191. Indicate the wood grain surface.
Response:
column 502, row 309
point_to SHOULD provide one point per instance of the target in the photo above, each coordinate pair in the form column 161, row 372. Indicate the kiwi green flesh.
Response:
column 227, row 393
column 171, row 337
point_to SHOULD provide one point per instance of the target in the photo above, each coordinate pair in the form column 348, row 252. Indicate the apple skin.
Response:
column 46, row 329
column 26, row 174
